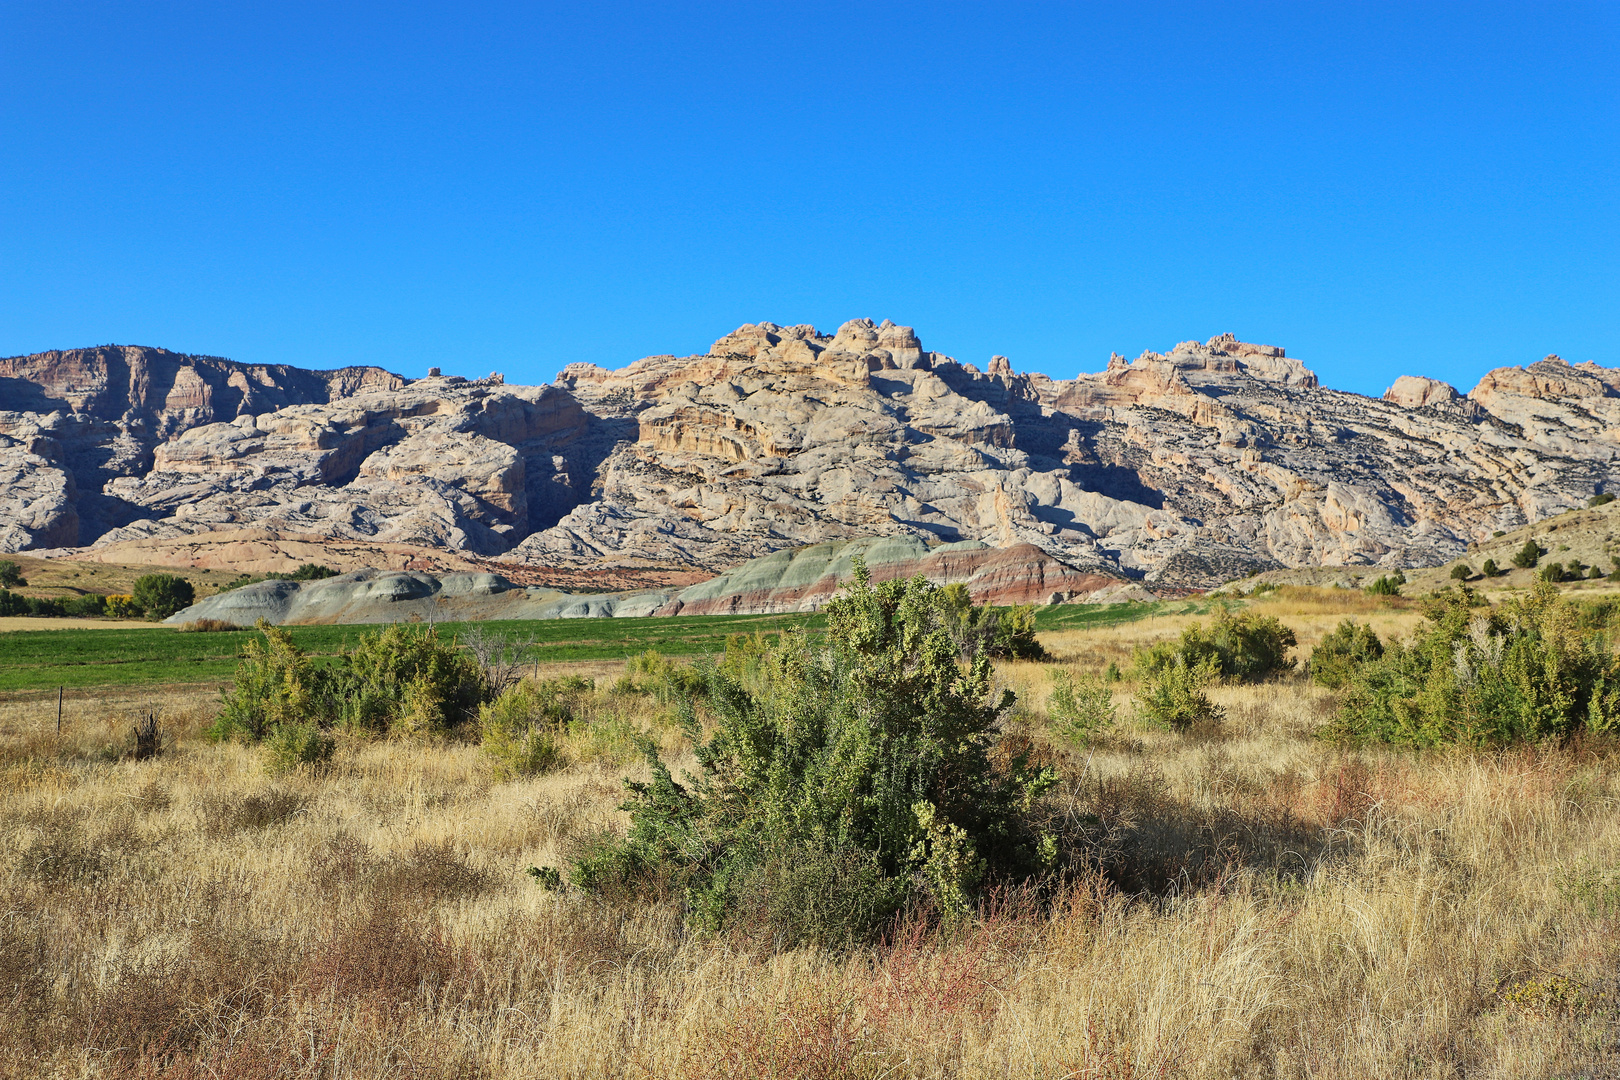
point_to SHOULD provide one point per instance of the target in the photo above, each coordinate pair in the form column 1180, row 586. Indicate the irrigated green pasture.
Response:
column 136, row 654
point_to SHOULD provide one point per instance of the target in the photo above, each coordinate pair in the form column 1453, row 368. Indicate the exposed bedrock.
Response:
column 1211, row 460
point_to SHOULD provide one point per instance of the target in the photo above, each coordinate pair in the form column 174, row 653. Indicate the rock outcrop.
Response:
column 1184, row 468
column 801, row 580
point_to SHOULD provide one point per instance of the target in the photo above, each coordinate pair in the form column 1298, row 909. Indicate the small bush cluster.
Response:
column 1386, row 585
column 404, row 679
column 1526, row 672
column 839, row 780
column 1173, row 695
column 1335, row 661
column 306, row 572
column 11, row 575
column 1528, row 556
column 1000, row 633
column 523, row 729
column 1239, row 646
column 1079, row 706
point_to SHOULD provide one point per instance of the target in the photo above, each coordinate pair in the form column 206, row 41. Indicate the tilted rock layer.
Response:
column 1184, row 468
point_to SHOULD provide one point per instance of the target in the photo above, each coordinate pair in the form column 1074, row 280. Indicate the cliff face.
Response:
column 74, row 421
column 1186, row 467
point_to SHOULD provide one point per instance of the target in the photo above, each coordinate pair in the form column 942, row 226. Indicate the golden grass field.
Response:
column 1277, row 907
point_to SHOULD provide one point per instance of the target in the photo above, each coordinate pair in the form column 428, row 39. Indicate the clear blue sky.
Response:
column 1417, row 188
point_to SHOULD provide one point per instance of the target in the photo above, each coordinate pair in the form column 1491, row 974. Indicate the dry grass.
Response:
column 1264, row 905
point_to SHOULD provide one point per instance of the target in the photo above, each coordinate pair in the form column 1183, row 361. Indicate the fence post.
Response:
column 59, row 691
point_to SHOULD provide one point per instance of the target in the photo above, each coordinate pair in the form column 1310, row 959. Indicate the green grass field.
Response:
column 136, row 654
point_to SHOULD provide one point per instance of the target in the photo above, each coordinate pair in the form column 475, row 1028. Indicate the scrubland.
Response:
column 1261, row 904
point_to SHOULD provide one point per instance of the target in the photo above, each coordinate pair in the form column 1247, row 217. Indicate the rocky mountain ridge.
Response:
column 1186, row 468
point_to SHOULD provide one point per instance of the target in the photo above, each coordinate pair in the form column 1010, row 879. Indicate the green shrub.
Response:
column 90, row 605
column 276, row 684
column 1526, row 672
column 161, row 595
column 523, row 730
column 1335, row 661
column 1173, row 696
column 1242, row 647
column 871, row 755
column 1387, row 585
column 1461, row 572
column 1552, row 573
column 1489, row 568
column 667, row 680
column 1001, row 633
column 1528, row 556
column 11, row 575
column 407, row 679
column 290, row 747
column 1603, row 499
column 1079, row 707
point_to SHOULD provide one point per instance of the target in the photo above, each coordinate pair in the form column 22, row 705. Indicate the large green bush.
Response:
column 1173, row 696
column 522, row 730
column 1240, row 646
column 11, row 575
column 1528, row 671
column 404, row 679
column 839, row 780
column 163, row 594
column 408, row 679
column 1335, row 661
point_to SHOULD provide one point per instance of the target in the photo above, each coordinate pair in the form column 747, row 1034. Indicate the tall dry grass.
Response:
column 1260, row 904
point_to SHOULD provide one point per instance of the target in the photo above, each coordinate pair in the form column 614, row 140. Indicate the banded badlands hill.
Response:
column 1182, row 468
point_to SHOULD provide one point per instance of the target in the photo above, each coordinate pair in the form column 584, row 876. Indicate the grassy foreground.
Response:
column 1272, row 906
column 124, row 654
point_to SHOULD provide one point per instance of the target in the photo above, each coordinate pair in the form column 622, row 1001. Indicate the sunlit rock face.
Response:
column 1186, row 467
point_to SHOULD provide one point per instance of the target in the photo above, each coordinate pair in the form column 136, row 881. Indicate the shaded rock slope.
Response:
column 1184, row 468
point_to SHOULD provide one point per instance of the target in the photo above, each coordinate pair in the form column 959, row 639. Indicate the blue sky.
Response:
column 1382, row 189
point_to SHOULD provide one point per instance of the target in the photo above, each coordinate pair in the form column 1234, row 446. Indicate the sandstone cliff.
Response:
column 1186, row 468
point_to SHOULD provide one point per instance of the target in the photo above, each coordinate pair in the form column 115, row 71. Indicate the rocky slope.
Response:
column 788, row 581
column 1185, row 468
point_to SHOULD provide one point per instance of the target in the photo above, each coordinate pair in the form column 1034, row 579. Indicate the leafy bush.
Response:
column 161, row 595
column 1552, row 573
column 1461, row 572
column 407, row 679
column 295, row 746
column 1342, row 653
column 1001, row 633
column 1489, row 569
column 404, row 679
column 668, row 680
column 1242, row 646
column 17, row 604
column 1079, row 707
column 276, row 685
column 1174, row 695
column 88, row 606
column 846, row 778
column 123, row 606
column 1528, row 556
column 1526, row 672
column 1387, row 585
column 11, row 575
column 522, row 730
column 306, row 572
column 1603, row 499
